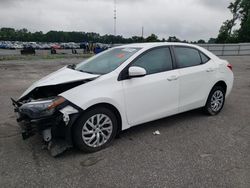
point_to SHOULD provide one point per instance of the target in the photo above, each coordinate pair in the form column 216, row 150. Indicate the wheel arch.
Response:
column 222, row 84
column 113, row 109
column 218, row 83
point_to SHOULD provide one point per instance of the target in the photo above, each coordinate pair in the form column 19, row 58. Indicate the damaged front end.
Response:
column 51, row 117
column 41, row 109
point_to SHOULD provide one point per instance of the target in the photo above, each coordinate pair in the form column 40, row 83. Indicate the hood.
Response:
column 62, row 76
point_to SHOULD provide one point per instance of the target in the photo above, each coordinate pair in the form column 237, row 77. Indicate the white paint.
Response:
column 63, row 75
column 66, row 111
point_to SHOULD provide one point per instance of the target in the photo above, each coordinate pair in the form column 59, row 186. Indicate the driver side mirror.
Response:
column 135, row 72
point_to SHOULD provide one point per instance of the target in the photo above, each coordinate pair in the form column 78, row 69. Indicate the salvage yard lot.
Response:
column 192, row 150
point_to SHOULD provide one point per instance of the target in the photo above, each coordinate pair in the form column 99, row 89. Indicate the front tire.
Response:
column 215, row 101
column 95, row 130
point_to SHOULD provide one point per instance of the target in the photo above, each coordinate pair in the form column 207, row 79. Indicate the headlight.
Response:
column 38, row 109
column 56, row 102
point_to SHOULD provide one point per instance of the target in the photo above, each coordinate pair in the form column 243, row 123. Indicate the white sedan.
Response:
column 88, row 104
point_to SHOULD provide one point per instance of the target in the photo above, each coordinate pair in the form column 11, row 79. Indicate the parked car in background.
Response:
column 28, row 50
column 56, row 46
column 49, row 45
column 2, row 45
column 89, row 104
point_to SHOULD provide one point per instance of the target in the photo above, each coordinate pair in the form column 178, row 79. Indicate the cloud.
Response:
column 215, row 4
column 186, row 19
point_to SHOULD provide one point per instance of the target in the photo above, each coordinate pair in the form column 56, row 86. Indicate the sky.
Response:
column 186, row 19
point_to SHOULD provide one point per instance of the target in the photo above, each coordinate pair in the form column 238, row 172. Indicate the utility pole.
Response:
column 142, row 32
column 114, row 17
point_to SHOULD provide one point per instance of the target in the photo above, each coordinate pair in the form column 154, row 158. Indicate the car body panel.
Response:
column 151, row 97
column 104, row 90
column 225, row 74
column 63, row 75
column 195, row 84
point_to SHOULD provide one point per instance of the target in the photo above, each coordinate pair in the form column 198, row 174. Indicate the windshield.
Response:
column 107, row 61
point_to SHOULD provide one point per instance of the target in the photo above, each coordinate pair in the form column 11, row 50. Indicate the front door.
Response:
column 155, row 95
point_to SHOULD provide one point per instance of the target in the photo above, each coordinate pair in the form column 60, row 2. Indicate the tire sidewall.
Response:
column 77, row 129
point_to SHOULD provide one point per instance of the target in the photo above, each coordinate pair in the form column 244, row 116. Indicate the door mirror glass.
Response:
column 135, row 71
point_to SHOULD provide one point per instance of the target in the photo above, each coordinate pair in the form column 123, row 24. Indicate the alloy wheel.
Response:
column 97, row 130
column 217, row 100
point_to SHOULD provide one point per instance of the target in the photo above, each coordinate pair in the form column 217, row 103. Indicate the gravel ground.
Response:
column 193, row 150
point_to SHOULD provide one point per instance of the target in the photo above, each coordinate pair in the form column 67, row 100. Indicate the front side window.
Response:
column 155, row 61
column 187, row 57
column 106, row 61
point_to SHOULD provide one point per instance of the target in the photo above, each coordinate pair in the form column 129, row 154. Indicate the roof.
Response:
column 146, row 46
column 155, row 44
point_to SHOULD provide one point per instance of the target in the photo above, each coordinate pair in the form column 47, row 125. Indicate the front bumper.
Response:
column 58, row 125
column 30, row 127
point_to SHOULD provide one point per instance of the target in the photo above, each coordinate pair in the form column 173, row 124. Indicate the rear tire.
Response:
column 215, row 101
column 95, row 129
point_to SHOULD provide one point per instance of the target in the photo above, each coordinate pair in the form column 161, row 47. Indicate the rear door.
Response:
column 156, row 94
column 197, row 72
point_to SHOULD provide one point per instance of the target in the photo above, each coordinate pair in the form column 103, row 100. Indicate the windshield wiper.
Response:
column 71, row 66
column 87, row 72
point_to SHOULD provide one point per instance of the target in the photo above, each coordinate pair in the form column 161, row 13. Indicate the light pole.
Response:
column 114, row 17
column 142, row 32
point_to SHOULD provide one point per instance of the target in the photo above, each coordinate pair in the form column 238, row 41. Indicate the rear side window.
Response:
column 187, row 57
column 155, row 61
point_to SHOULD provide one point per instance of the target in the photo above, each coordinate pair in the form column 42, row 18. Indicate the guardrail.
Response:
column 240, row 49
column 228, row 49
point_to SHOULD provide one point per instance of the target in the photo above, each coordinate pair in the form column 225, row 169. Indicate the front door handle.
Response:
column 173, row 77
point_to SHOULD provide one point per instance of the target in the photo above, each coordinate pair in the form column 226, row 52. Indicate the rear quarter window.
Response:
column 204, row 58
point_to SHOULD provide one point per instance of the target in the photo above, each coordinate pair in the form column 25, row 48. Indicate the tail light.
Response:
column 230, row 66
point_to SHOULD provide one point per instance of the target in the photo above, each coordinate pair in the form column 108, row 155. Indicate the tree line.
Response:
column 11, row 34
column 236, row 29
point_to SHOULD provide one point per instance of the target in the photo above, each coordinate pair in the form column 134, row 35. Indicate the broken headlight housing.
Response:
column 41, row 108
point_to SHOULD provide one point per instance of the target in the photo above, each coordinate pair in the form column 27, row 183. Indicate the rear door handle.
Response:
column 210, row 70
column 173, row 77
